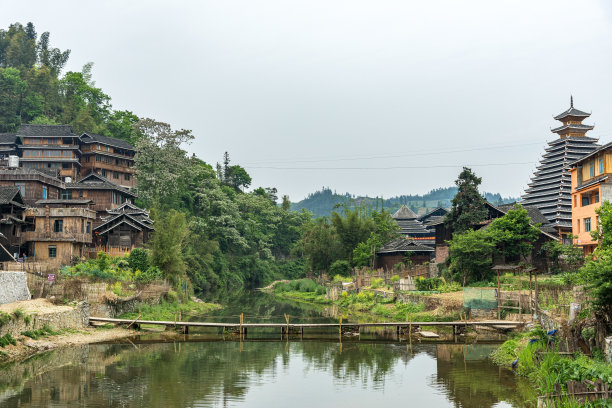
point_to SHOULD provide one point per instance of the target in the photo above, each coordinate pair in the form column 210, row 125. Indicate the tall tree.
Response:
column 468, row 205
column 513, row 234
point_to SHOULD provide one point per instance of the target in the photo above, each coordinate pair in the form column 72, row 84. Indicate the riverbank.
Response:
column 26, row 347
column 375, row 303
column 537, row 356
column 31, row 327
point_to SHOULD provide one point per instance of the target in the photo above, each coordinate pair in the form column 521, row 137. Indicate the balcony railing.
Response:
column 32, row 236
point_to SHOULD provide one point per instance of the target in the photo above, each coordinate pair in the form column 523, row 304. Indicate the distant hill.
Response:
column 321, row 203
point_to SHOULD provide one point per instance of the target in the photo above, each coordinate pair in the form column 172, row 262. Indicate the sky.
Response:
column 379, row 98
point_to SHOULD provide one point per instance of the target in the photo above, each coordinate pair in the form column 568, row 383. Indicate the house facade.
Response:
column 591, row 185
column 111, row 158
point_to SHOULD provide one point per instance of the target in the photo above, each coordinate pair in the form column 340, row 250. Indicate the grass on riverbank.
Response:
column 364, row 303
column 539, row 361
column 167, row 311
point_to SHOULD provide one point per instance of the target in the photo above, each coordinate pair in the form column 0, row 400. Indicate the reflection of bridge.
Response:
column 298, row 328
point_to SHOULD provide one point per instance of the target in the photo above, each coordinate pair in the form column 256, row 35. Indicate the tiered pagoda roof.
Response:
column 409, row 224
column 550, row 186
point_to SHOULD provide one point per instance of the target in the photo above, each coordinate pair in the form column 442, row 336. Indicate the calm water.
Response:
column 212, row 370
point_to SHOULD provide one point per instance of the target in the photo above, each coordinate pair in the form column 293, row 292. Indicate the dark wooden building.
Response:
column 33, row 184
column 105, row 194
column 8, row 147
column 400, row 250
column 124, row 228
column 51, row 147
column 12, row 207
column 112, row 158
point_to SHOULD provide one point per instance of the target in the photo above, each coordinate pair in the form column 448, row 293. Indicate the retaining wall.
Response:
column 13, row 287
column 59, row 317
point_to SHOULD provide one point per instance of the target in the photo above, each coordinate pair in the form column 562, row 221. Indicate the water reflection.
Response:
column 261, row 373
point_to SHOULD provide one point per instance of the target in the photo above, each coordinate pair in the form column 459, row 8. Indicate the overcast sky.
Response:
column 367, row 97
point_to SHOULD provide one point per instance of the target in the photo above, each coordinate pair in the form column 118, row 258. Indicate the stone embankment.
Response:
column 13, row 287
column 36, row 314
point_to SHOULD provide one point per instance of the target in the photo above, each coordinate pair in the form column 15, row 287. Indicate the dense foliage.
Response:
column 32, row 89
column 468, row 206
column 471, row 252
column 323, row 202
column 352, row 236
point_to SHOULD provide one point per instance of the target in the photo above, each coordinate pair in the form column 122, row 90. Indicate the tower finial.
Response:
column 571, row 101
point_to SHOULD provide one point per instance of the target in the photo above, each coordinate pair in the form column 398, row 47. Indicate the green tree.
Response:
column 513, row 234
column 161, row 164
column 319, row 244
column 12, row 91
column 352, row 228
column 468, row 206
column 167, row 244
column 471, row 256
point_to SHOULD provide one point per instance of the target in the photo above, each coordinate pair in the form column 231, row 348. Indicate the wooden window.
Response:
column 575, row 201
column 601, row 165
column 82, row 225
column 586, row 200
column 126, row 176
column 44, row 192
column 88, row 230
column 58, row 226
column 52, row 251
column 591, row 169
column 67, row 195
column 587, row 225
column 115, row 175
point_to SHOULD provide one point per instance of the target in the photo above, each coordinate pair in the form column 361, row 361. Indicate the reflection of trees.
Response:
column 476, row 382
column 179, row 374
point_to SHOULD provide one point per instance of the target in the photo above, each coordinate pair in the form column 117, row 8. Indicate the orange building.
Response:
column 591, row 184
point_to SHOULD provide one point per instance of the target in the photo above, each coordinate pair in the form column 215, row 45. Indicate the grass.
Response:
column 43, row 332
column 167, row 311
column 106, row 326
column 7, row 339
column 540, row 362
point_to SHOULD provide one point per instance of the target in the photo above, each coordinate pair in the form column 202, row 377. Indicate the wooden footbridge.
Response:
column 298, row 328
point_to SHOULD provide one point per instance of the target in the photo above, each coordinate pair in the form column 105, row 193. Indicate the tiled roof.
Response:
column 534, row 213
column 572, row 112
column 61, row 201
column 8, row 138
column 437, row 212
column 45, row 130
column 573, row 127
column 404, row 245
column 404, row 213
column 8, row 193
column 94, row 181
column 111, row 141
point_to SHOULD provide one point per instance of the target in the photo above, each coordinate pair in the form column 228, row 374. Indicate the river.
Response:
column 209, row 369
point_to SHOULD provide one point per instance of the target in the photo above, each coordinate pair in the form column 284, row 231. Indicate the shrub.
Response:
column 172, row 296
column 376, row 283
column 340, row 267
column 425, row 284
column 395, row 278
column 7, row 339
column 139, row 259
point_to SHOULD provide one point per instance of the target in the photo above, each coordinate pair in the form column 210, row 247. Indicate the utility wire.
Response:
column 441, row 166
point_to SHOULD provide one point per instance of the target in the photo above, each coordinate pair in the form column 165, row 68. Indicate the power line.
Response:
column 390, row 167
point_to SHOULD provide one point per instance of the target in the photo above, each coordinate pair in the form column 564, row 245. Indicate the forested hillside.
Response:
column 34, row 90
column 321, row 203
